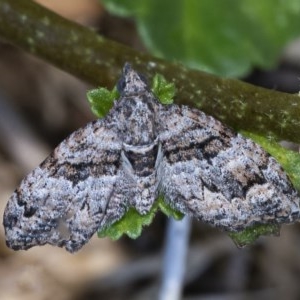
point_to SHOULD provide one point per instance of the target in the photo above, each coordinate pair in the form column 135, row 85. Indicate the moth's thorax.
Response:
column 136, row 117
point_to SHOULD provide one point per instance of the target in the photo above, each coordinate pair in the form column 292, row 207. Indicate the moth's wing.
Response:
column 220, row 177
column 74, row 192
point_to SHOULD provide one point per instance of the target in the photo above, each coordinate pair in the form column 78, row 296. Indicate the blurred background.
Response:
column 39, row 106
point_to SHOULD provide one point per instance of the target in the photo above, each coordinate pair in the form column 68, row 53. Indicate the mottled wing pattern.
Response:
column 74, row 192
column 140, row 149
column 218, row 176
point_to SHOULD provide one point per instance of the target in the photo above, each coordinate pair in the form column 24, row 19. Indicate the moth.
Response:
column 140, row 150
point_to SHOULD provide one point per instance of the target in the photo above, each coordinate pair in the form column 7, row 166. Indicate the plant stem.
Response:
column 175, row 252
column 87, row 55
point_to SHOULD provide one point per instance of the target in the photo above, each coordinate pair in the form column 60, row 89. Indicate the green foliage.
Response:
column 168, row 210
column 132, row 222
column 225, row 37
column 101, row 100
column 249, row 235
column 163, row 90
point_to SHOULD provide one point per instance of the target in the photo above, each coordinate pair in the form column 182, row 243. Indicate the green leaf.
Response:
column 225, row 37
column 131, row 225
column 168, row 210
column 132, row 222
column 101, row 100
column 163, row 90
column 249, row 235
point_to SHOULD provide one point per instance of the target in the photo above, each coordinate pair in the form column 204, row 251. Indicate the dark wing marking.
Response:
column 73, row 193
column 221, row 177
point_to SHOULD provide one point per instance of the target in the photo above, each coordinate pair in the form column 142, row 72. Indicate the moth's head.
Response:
column 131, row 83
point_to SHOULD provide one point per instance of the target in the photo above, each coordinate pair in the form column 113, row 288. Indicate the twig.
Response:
column 174, row 264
